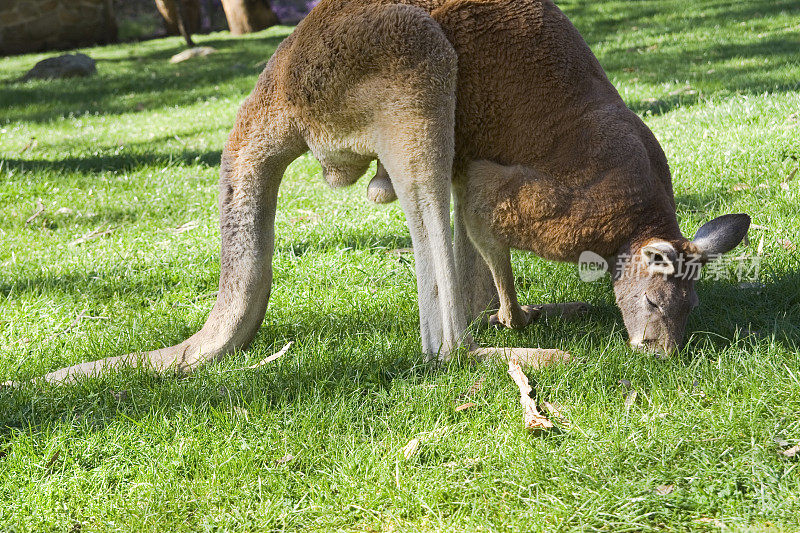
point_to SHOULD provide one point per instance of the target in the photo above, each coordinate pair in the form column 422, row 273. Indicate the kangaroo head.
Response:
column 654, row 283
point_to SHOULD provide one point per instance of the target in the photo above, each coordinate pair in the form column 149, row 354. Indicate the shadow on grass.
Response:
column 149, row 76
column 117, row 162
column 157, row 83
column 726, row 312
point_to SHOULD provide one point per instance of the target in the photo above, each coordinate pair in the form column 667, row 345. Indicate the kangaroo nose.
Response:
column 651, row 346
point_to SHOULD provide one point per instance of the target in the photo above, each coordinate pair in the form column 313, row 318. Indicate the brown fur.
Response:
column 500, row 99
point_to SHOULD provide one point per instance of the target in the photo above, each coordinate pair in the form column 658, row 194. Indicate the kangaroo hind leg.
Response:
column 252, row 166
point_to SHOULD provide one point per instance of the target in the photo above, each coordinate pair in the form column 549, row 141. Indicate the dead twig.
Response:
column 102, row 231
column 533, row 419
column 39, row 211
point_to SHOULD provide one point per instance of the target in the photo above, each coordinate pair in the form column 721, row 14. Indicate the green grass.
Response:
column 137, row 147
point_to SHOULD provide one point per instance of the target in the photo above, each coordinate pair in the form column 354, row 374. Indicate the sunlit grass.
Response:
column 313, row 441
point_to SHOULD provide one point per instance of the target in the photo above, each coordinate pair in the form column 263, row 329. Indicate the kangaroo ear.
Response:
column 660, row 257
column 722, row 234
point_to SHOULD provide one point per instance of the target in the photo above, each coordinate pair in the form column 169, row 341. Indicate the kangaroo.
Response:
column 498, row 102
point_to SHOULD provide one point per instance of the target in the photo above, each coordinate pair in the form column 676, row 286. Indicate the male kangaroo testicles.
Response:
column 500, row 102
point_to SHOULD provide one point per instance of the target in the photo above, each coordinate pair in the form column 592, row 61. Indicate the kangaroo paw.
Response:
column 524, row 316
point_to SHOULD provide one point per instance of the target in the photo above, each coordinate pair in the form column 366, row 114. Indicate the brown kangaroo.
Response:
column 500, row 102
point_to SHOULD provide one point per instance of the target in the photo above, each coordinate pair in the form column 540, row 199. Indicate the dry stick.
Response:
column 533, row 419
column 95, row 234
column 39, row 211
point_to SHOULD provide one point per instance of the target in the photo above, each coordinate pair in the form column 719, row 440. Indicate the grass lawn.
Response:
column 314, row 440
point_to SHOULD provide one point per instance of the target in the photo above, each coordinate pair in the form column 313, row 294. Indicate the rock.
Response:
column 65, row 66
column 198, row 51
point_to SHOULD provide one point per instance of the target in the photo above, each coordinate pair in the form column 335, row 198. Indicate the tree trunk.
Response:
column 180, row 12
column 248, row 16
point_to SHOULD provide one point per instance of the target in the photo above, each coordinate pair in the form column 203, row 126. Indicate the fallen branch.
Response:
column 533, row 419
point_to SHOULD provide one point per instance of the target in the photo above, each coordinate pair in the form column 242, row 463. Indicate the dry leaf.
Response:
column 663, row 490
column 276, row 355
column 188, row 226
column 791, row 452
column 410, row 449
column 285, row 459
column 465, row 406
column 533, row 419
column 630, row 399
column 474, row 389
column 741, row 187
column 39, row 211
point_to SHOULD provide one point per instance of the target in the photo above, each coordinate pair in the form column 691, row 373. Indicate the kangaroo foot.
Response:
column 524, row 315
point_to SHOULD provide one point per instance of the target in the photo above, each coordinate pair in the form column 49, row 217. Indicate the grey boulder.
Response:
column 65, row 66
